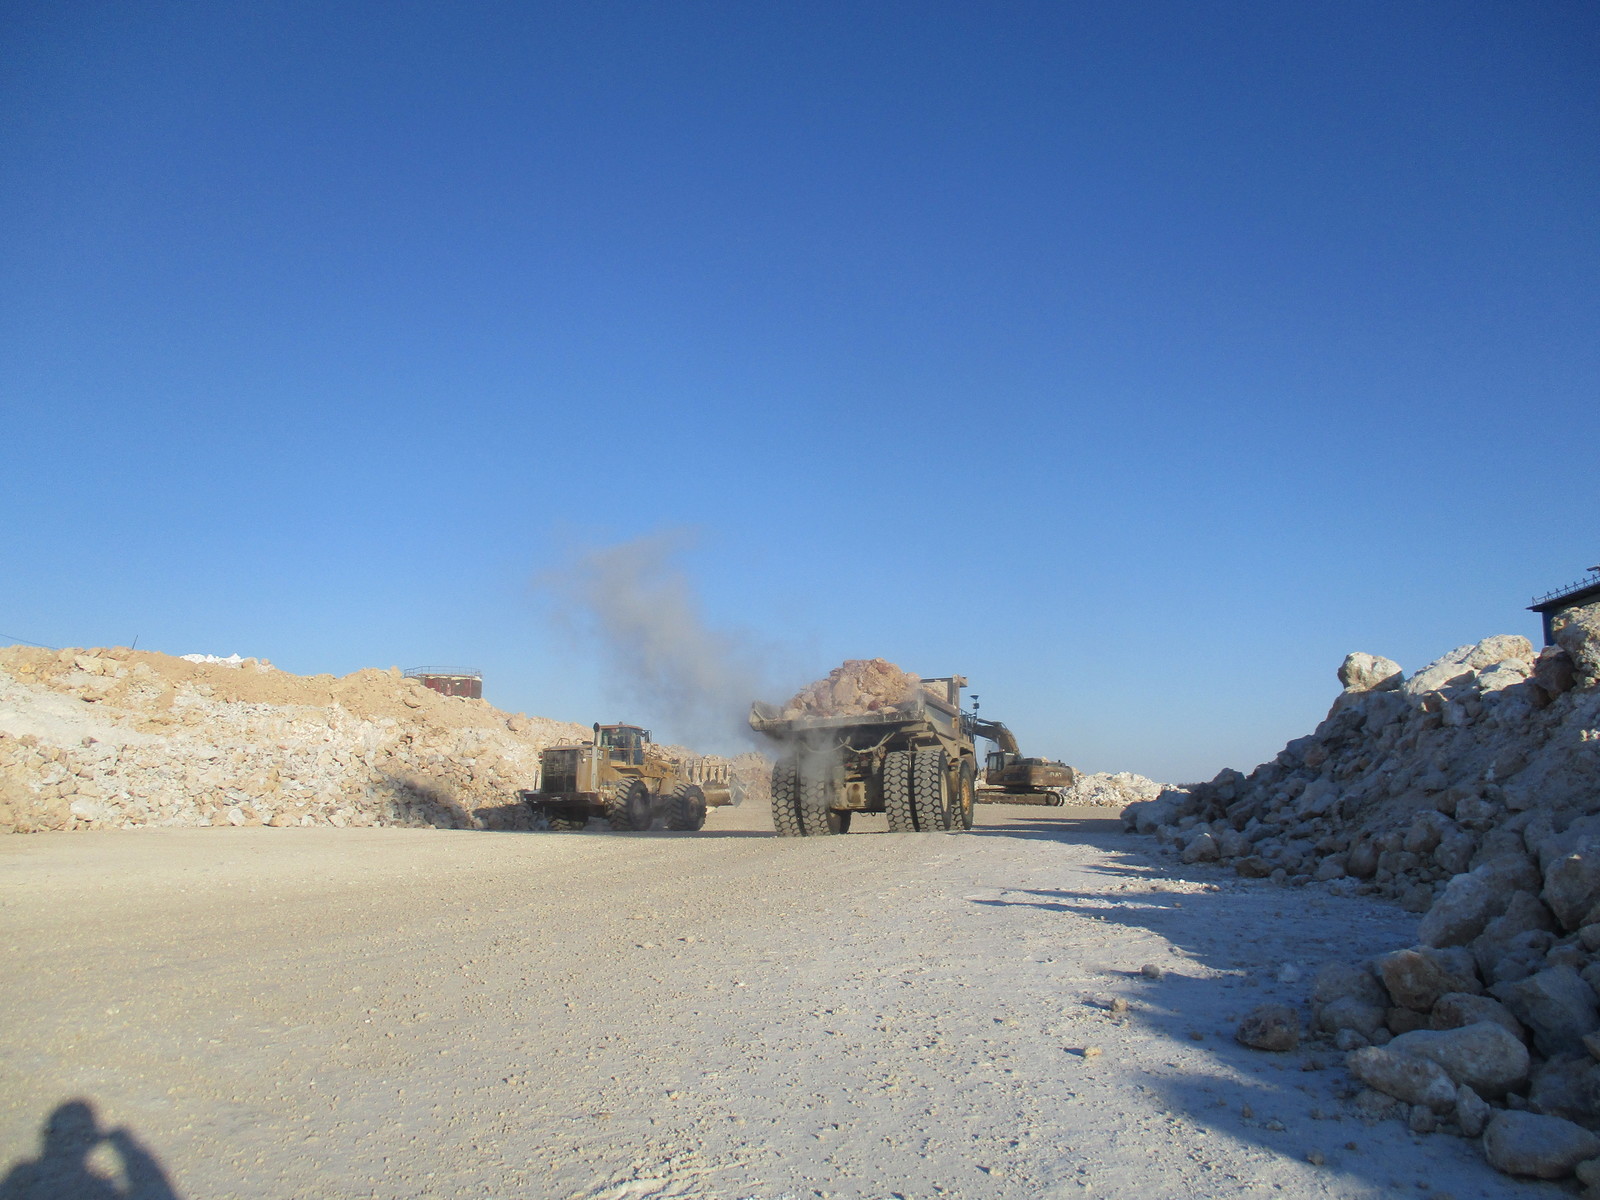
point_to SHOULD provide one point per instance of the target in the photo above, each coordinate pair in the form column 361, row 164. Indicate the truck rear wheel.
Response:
column 686, row 810
column 817, row 818
column 630, row 808
column 930, row 789
column 897, row 792
column 786, row 797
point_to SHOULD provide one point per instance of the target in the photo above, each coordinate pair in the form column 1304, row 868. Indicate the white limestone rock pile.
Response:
column 1470, row 793
column 1112, row 790
column 117, row 738
column 860, row 686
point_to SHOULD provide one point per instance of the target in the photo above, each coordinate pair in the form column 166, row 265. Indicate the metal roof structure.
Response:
column 1584, row 591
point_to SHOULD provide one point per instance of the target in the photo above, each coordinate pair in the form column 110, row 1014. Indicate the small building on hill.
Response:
column 450, row 681
column 1574, row 595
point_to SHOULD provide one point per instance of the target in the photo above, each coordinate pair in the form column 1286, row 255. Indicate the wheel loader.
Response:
column 614, row 777
column 914, row 762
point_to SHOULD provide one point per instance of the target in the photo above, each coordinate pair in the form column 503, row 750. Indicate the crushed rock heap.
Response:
column 117, row 738
column 1470, row 792
column 860, row 686
column 1106, row 789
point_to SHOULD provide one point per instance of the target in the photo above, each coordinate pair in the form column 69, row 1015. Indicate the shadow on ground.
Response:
column 74, row 1157
column 1254, row 942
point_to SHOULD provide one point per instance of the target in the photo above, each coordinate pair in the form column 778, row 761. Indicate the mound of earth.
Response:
column 120, row 738
column 1469, row 792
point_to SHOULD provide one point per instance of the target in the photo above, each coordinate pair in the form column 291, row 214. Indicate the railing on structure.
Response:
column 1571, row 589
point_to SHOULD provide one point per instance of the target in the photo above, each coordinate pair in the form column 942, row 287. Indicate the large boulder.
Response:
column 1567, row 1087
column 1338, row 981
column 1147, row 816
column 1460, row 913
column 1512, row 931
column 1572, row 884
column 1557, row 1006
column 1525, row 1143
column 1455, row 1009
column 1484, row 1056
column 1403, row 1076
column 1578, row 633
column 1270, row 1027
column 1464, row 661
column 1416, row 978
column 1369, row 672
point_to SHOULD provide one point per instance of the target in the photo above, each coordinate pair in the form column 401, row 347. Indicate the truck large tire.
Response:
column 817, row 818
column 966, row 797
column 930, row 789
column 630, row 808
column 786, row 797
column 686, row 809
column 897, row 792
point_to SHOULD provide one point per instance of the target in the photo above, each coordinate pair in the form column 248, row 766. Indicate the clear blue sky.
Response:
column 1135, row 360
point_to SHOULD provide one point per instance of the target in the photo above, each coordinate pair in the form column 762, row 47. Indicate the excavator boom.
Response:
column 996, row 733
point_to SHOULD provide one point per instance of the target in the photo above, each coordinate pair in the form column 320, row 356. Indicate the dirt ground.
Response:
column 416, row 1013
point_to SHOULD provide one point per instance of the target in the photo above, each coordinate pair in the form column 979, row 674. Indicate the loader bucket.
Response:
column 723, row 794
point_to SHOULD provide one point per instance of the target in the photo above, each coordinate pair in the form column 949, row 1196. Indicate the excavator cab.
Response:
column 995, row 763
column 623, row 743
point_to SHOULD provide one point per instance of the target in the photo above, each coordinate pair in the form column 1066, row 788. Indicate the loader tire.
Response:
column 630, row 807
column 817, row 818
column 966, row 797
column 786, row 797
column 930, row 789
column 564, row 824
column 897, row 792
column 686, row 810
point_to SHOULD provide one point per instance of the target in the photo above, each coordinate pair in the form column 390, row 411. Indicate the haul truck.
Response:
column 914, row 762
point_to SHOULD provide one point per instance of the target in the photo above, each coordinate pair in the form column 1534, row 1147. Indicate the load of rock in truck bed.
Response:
column 860, row 686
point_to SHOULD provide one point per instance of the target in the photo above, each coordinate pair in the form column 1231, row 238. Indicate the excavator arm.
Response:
column 996, row 733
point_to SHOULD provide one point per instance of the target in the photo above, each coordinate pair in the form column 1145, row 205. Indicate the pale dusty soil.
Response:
column 418, row 1013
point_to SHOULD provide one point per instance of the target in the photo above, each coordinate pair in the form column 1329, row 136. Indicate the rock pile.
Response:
column 1470, row 793
column 860, row 686
column 1108, row 790
column 93, row 739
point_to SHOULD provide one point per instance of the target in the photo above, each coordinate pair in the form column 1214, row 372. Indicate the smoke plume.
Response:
column 639, row 609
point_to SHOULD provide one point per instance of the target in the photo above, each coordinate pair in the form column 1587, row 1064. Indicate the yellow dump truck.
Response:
column 914, row 762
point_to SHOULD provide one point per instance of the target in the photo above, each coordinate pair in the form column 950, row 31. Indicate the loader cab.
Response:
column 622, row 743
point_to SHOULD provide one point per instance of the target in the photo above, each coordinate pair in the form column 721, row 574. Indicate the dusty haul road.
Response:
column 413, row 1013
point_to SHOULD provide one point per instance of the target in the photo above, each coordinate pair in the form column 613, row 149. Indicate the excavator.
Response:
column 1009, row 778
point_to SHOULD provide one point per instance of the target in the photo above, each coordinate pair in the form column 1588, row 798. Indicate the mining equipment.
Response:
column 1011, row 779
column 612, row 776
column 914, row 762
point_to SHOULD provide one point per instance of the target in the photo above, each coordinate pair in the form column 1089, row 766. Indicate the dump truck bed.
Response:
column 767, row 719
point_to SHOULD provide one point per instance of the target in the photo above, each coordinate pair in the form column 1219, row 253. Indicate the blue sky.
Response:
column 1137, row 361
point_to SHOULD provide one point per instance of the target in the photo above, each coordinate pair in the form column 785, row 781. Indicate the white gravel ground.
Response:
column 415, row 1013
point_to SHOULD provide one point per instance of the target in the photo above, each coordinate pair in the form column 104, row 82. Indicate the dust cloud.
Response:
column 636, row 605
